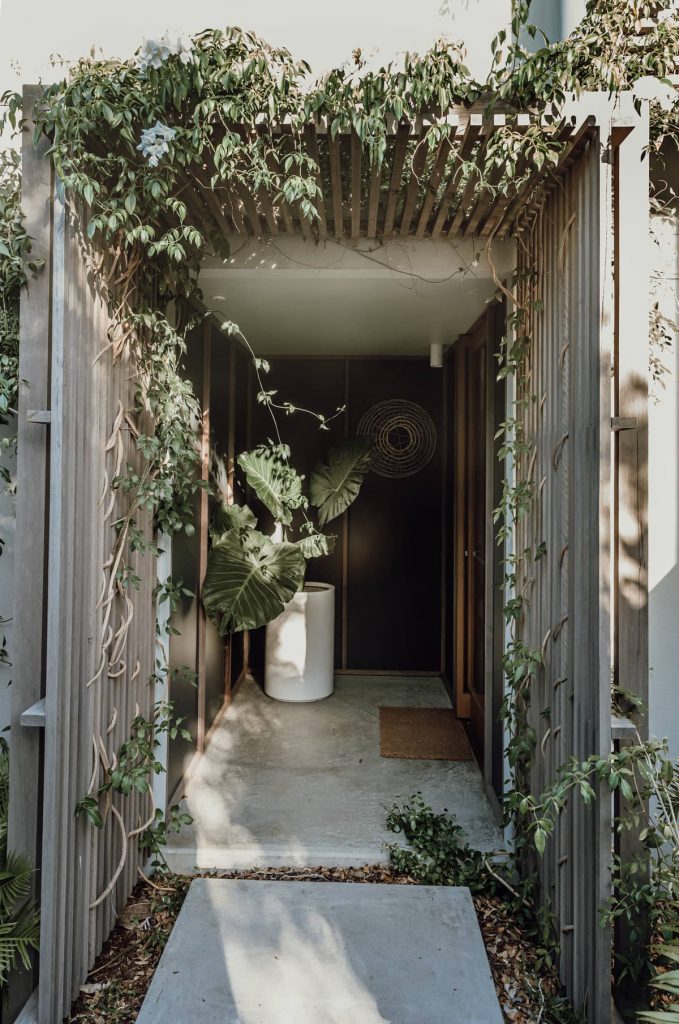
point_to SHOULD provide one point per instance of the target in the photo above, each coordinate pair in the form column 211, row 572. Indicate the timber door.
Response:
column 471, row 416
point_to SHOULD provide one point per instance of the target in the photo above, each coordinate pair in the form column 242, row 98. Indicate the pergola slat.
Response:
column 251, row 211
column 467, row 196
column 336, row 185
column 432, row 189
column 402, row 136
column 492, row 216
column 268, row 211
column 487, row 196
column 356, row 148
column 374, row 198
column 418, row 164
column 216, row 205
column 312, row 147
column 471, row 134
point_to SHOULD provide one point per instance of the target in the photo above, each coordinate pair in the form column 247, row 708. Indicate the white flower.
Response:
column 651, row 88
column 184, row 49
column 155, row 52
column 154, row 142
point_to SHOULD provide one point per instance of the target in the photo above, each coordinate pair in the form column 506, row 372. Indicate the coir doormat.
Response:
column 433, row 734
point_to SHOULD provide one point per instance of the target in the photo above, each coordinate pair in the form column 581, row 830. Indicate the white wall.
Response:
column 664, row 495
column 322, row 33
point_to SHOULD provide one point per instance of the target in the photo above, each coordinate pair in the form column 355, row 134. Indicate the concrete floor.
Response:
column 323, row 953
column 304, row 784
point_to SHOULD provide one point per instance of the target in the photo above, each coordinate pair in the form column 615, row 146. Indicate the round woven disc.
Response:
column 403, row 437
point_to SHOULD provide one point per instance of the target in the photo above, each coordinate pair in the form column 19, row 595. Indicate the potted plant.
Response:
column 254, row 579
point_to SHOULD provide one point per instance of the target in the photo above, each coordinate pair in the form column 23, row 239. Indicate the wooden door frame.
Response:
column 462, row 694
column 476, row 337
column 484, row 332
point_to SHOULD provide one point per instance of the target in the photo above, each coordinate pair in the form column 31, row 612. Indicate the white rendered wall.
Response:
column 322, row 33
column 664, row 495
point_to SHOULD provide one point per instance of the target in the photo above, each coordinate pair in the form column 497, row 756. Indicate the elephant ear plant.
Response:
column 251, row 576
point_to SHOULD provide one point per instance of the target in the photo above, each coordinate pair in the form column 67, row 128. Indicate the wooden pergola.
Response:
column 419, row 190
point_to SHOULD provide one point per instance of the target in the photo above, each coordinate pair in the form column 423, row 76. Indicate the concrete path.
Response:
column 246, row 952
column 304, row 784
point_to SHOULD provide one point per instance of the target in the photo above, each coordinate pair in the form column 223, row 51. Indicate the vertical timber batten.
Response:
column 57, row 703
column 25, row 801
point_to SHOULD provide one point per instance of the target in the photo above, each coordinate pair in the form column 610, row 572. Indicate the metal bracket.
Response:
column 38, row 416
column 623, row 423
column 34, row 717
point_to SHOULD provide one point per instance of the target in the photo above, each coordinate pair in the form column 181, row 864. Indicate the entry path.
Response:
column 249, row 952
column 304, row 784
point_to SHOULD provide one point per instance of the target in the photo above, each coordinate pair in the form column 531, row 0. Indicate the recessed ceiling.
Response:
column 293, row 297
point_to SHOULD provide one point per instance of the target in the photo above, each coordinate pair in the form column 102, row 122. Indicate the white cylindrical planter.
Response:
column 300, row 646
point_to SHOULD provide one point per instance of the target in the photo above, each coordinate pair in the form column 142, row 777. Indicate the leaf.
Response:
column 335, row 485
column 316, row 545
column 231, row 517
column 274, row 481
column 539, row 839
column 249, row 579
column 668, row 982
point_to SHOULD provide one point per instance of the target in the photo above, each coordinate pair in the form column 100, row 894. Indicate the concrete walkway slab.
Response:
column 304, row 784
column 247, row 952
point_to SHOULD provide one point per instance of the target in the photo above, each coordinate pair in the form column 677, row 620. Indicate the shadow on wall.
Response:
column 664, row 484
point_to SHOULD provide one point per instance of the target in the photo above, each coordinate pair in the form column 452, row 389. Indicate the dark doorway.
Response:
column 387, row 562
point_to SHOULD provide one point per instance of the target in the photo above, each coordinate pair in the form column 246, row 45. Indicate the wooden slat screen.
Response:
column 64, row 328
column 566, row 415
column 86, row 725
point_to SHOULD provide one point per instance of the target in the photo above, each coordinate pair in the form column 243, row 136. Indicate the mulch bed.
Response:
column 117, row 984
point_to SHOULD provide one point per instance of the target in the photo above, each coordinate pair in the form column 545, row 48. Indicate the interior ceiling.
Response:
column 296, row 298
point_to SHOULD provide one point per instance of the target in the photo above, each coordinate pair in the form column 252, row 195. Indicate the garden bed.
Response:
column 117, row 984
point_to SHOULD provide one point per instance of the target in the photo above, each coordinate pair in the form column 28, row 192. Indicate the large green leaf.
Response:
column 249, row 579
column 335, row 485
column 231, row 517
column 274, row 481
column 667, row 981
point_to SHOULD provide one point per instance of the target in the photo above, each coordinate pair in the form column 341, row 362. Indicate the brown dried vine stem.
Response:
column 115, row 272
